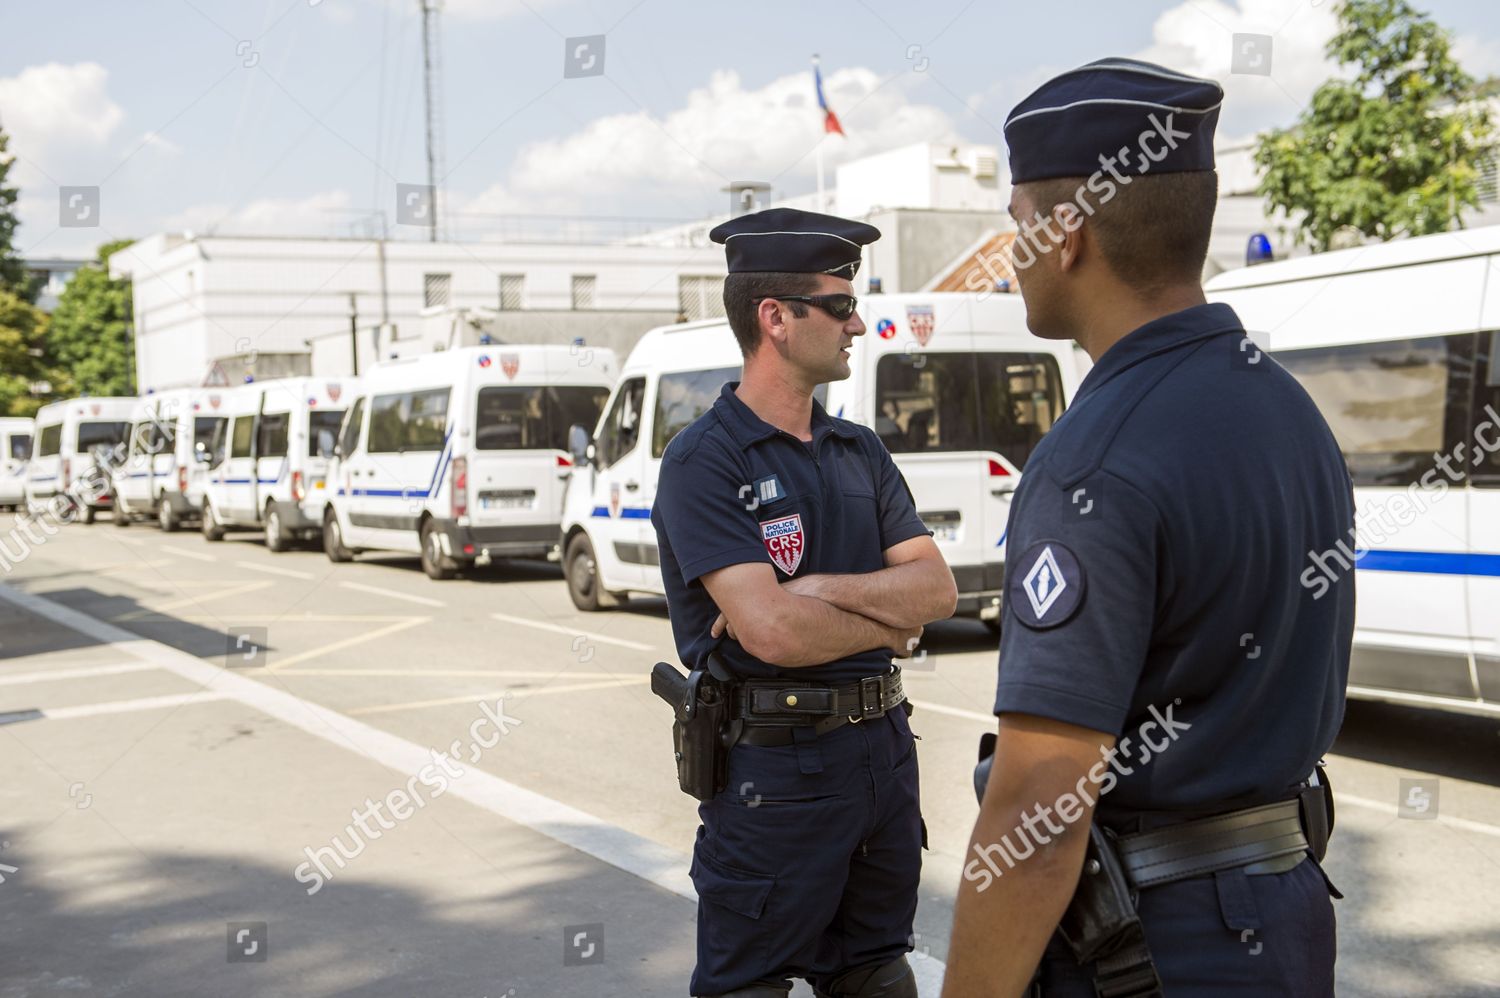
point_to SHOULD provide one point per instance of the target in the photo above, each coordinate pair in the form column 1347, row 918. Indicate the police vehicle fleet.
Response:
column 1399, row 345
column 165, row 468
column 77, row 439
column 955, row 386
column 461, row 456
column 268, row 462
column 15, row 449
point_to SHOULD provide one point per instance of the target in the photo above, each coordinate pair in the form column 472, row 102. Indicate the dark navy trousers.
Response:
column 1227, row 934
column 807, row 864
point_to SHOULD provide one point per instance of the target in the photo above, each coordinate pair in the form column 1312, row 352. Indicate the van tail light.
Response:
column 182, row 478
column 564, row 461
column 997, row 470
column 460, row 487
column 67, row 472
column 298, row 492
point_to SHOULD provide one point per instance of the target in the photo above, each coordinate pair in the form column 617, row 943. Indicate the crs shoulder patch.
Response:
column 1048, row 585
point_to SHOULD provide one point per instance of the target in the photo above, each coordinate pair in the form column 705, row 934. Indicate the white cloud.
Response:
column 1480, row 57
column 1198, row 37
column 322, row 213
column 676, row 163
column 53, row 107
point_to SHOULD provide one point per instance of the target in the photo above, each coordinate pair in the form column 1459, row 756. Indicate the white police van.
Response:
column 955, row 386
column 163, row 474
column 461, row 456
column 1399, row 345
column 15, row 449
column 77, row 439
column 269, row 461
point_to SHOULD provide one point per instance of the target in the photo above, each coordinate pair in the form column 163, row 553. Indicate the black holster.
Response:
column 700, row 727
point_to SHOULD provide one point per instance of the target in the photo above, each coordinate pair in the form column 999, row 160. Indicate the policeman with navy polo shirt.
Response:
column 796, row 569
column 1155, row 813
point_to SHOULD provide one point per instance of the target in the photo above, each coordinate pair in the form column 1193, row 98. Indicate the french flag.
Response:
column 830, row 120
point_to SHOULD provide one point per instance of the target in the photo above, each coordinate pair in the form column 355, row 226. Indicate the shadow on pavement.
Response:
column 1427, row 741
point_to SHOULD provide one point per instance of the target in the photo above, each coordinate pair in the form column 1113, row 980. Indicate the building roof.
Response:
column 980, row 267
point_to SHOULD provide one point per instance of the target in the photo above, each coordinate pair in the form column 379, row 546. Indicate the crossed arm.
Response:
column 821, row 618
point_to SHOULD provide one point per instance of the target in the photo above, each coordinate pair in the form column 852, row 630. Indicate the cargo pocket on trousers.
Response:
column 743, row 893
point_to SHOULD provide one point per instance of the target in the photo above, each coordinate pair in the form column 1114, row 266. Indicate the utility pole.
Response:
column 432, row 71
column 354, row 330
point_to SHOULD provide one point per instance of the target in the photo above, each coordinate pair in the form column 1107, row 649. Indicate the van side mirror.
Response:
column 580, row 446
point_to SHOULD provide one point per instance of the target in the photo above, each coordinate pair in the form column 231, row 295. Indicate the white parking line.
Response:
column 129, row 706
column 519, row 695
column 1464, row 824
column 290, row 573
column 393, row 594
column 573, row 632
column 184, row 553
column 82, row 673
column 938, row 708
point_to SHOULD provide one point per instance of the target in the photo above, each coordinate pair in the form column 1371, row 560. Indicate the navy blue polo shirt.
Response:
column 1155, row 566
column 735, row 489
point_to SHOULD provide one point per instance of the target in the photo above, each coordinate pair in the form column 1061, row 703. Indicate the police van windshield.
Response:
column 967, row 401
column 534, row 417
column 682, row 397
column 106, row 434
column 20, row 446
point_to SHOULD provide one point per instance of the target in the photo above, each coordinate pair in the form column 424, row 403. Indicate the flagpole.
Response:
column 818, row 149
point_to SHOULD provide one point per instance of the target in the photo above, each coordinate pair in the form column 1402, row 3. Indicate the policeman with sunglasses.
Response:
column 796, row 570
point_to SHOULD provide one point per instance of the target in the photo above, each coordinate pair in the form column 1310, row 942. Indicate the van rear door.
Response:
column 961, row 425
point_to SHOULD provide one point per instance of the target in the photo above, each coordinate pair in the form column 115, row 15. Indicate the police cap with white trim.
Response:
column 791, row 241
column 1149, row 118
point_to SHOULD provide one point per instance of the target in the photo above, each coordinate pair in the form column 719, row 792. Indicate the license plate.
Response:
column 504, row 502
column 943, row 531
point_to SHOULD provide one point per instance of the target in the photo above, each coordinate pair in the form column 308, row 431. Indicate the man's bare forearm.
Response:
column 809, row 631
column 911, row 594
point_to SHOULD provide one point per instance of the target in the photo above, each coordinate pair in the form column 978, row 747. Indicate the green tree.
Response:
column 90, row 337
column 1395, row 149
column 23, row 329
column 13, row 276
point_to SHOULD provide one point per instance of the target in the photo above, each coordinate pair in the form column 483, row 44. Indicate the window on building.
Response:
column 622, row 427
column 512, row 292
column 1391, row 405
column 1002, row 402
column 700, row 297
column 583, row 290
column 408, row 421
column 437, row 290
column 682, row 398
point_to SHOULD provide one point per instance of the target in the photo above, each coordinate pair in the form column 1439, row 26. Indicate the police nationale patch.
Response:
column 1048, row 584
column 784, row 542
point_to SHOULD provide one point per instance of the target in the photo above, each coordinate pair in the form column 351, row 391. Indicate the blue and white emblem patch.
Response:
column 1048, row 586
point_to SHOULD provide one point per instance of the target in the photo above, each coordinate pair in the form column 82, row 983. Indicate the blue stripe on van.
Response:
column 439, row 472
column 626, row 512
column 1430, row 562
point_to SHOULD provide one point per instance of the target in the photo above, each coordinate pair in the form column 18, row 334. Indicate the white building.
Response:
column 217, row 307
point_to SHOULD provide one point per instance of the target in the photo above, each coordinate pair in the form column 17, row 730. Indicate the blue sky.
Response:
column 303, row 115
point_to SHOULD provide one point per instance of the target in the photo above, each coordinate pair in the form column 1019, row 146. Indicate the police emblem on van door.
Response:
column 922, row 322
column 784, row 542
column 614, row 498
column 334, row 391
column 1049, row 586
column 510, row 363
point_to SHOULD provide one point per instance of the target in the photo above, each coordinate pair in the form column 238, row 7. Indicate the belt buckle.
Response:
column 866, row 708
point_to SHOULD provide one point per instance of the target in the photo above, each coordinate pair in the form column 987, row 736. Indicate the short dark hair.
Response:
column 741, row 301
column 1153, row 232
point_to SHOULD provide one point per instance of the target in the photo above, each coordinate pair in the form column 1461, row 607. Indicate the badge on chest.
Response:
column 784, row 541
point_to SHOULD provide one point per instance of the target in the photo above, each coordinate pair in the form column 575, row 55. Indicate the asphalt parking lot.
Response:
column 187, row 727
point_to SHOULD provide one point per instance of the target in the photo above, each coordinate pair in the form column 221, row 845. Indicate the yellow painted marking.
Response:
column 357, row 639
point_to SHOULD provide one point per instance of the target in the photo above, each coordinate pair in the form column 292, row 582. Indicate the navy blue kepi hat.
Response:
column 1136, row 117
column 790, row 241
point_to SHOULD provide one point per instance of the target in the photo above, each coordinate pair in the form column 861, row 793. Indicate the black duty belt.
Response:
column 771, row 709
column 1264, row 839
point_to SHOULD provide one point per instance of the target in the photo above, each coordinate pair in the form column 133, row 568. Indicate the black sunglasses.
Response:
column 841, row 307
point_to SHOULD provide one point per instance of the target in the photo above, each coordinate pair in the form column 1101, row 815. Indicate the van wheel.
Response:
column 120, row 517
column 433, row 562
column 212, row 529
column 165, row 518
column 582, row 572
column 88, row 514
column 333, row 539
column 994, row 626
column 276, row 539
